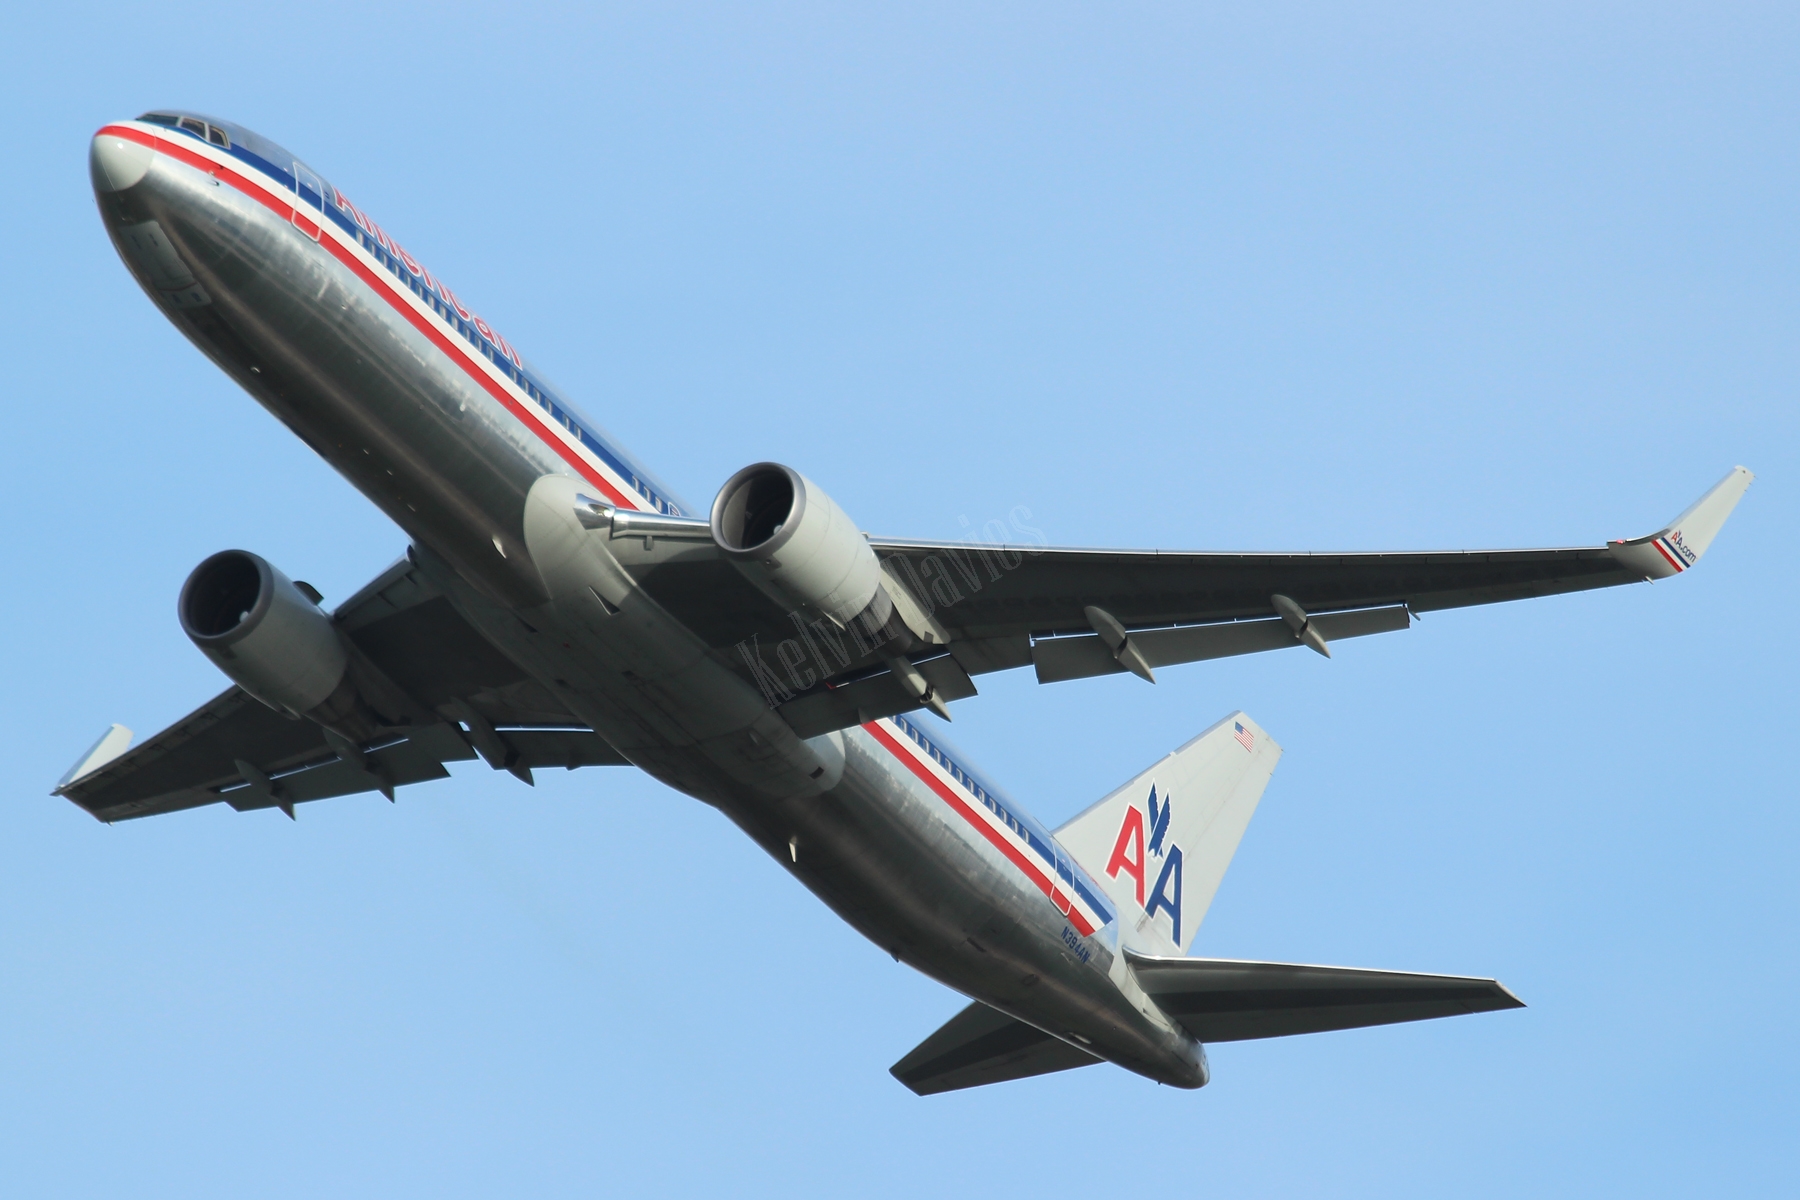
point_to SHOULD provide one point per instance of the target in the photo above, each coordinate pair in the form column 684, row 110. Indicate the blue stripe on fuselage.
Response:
column 546, row 398
column 1038, row 838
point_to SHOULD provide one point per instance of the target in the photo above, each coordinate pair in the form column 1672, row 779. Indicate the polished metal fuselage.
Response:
column 482, row 496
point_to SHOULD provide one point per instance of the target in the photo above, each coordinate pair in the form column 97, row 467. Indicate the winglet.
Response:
column 112, row 743
column 1673, row 550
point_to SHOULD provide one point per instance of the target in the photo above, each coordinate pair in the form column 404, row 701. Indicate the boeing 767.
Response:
column 557, row 606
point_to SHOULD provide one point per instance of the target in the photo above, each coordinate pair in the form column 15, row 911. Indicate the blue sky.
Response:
column 1177, row 276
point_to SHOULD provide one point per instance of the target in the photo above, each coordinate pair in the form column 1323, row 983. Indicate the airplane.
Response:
column 558, row 606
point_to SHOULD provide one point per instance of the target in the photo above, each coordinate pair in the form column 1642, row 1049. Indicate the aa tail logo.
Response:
column 1160, row 866
column 1131, row 856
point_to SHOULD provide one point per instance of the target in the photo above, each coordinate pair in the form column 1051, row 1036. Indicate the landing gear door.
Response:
column 309, row 202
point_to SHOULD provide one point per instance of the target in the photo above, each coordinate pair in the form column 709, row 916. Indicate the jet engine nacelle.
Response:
column 795, row 544
column 269, row 637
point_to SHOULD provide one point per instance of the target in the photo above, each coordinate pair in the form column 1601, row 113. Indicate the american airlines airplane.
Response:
column 557, row 606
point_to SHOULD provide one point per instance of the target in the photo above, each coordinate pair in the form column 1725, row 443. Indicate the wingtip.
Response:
column 109, row 746
column 1680, row 544
column 1513, row 1000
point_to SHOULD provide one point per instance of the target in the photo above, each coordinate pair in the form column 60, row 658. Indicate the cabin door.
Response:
column 309, row 202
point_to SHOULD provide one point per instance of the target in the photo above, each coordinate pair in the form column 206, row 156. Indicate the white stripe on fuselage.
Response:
column 394, row 293
column 626, row 488
column 987, row 811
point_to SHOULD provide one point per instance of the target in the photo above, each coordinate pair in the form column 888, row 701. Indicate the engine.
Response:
column 271, row 639
column 795, row 544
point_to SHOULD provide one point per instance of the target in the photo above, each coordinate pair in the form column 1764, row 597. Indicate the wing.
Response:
column 460, row 697
column 1223, row 1000
column 1071, row 614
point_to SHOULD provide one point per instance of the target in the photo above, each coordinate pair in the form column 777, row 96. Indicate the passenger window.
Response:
column 217, row 137
column 197, row 128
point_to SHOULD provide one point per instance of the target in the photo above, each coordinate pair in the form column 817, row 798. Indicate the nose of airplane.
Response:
column 116, row 163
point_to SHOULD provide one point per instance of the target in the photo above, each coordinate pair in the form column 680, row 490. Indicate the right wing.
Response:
column 458, row 694
column 1072, row 614
column 1225, row 1000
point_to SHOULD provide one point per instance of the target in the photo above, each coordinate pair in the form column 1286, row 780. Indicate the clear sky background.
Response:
column 1409, row 278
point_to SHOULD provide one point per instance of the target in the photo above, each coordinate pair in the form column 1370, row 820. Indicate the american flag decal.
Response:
column 1244, row 737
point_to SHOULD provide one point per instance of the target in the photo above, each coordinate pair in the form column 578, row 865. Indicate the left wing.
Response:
column 457, row 696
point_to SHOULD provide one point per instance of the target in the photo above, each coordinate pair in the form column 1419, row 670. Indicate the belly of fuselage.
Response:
column 879, row 850
column 354, row 377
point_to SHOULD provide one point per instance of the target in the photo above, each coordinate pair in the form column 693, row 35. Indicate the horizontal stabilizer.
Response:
column 983, row 1045
column 1225, row 1000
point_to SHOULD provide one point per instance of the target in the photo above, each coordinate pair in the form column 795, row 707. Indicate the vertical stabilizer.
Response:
column 1160, row 844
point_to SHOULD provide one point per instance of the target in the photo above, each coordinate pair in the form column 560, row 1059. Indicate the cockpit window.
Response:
column 194, row 125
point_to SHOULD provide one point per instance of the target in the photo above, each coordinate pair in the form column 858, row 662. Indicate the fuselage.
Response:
column 378, row 366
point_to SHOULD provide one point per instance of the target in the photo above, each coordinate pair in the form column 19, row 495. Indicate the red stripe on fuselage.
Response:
column 963, row 809
column 439, row 338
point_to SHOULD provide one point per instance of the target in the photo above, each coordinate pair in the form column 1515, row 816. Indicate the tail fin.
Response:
column 1160, row 844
